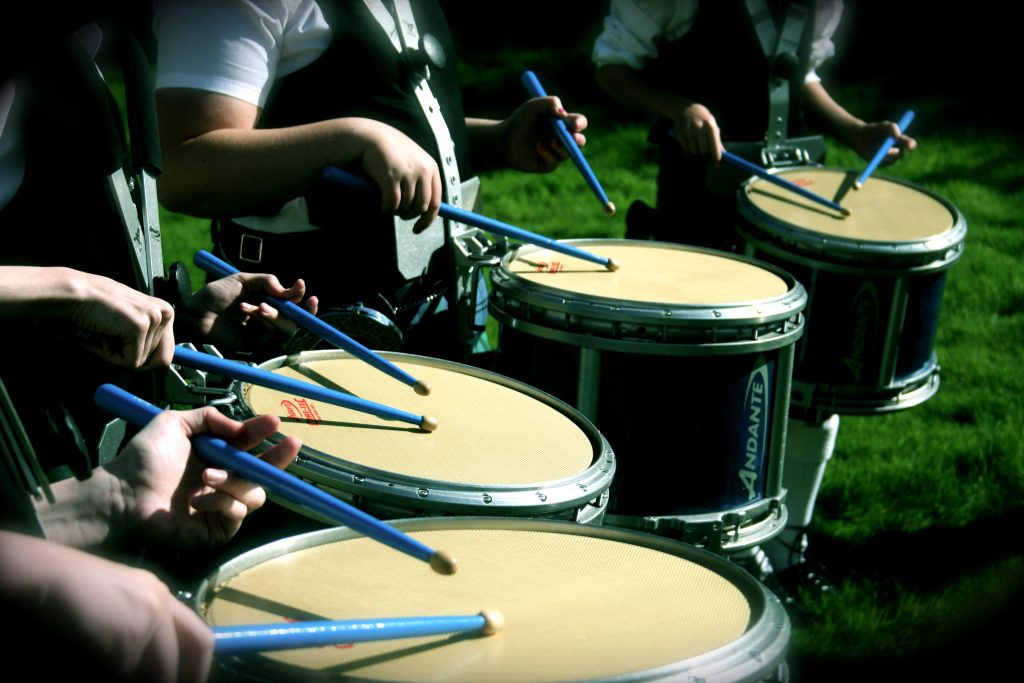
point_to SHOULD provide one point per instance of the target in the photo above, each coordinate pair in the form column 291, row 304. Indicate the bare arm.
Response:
column 696, row 128
column 216, row 162
column 863, row 137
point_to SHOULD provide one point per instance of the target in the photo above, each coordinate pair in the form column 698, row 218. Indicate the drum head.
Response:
column 494, row 434
column 893, row 226
column 580, row 602
column 650, row 274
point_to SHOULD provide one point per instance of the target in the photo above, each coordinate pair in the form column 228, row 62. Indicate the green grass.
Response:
column 920, row 507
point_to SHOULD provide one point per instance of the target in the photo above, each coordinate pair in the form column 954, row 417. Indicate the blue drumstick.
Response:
column 219, row 453
column 883, row 150
column 306, row 320
column 535, row 89
column 343, row 177
column 266, row 637
column 235, row 370
column 781, row 182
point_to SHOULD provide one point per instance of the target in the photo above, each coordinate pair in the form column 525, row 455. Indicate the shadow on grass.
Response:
column 939, row 603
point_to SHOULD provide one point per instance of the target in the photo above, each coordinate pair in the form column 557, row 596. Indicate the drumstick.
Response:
column 219, row 453
column 535, row 89
column 469, row 218
column 883, row 150
column 266, row 637
column 742, row 163
column 306, row 320
column 242, row 371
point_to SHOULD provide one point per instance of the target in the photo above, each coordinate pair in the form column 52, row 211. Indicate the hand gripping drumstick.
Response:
column 266, row 637
column 454, row 213
column 242, row 371
column 883, row 150
column 781, row 182
column 306, row 320
column 219, row 453
column 535, row 89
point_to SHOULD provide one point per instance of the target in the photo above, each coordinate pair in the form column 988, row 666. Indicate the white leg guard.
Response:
column 809, row 447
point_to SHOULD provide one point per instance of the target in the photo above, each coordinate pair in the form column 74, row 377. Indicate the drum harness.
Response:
column 472, row 249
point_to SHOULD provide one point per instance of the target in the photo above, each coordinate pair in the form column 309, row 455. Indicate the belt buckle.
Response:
column 256, row 247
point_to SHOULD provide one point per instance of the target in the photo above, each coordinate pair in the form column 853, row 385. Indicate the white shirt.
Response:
column 236, row 47
column 634, row 28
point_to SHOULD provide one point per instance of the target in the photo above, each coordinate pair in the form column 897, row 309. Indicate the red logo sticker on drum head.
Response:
column 803, row 182
column 300, row 408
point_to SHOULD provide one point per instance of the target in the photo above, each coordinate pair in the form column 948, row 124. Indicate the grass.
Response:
column 921, row 508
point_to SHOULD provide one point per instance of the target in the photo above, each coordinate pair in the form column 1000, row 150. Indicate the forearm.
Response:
column 86, row 513
column 39, row 291
column 230, row 172
column 830, row 116
column 628, row 86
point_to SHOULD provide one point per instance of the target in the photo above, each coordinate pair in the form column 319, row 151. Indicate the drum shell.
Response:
column 872, row 312
column 389, row 494
column 756, row 655
column 715, row 376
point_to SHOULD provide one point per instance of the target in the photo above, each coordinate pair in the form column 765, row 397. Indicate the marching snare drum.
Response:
column 874, row 279
column 501, row 447
column 580, row 602
column 682, row 358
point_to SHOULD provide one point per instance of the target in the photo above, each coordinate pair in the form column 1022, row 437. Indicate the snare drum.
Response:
column 874, row 279
column 682, row 358
column 501, row 447
column 581, row 602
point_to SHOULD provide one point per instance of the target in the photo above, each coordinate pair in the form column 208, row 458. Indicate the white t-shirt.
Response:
column 634, row 28
column 235, row 47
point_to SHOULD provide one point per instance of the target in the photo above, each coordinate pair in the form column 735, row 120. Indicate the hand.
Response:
column 530, row 141
column 697, row 132
column 223, row 311
column 409, row 179
column 124, row 326
column 97, row 616
column 870, row 136
column 168, row 495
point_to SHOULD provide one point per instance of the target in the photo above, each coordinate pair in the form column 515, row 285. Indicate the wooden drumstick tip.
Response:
column 421, row 388
column 494, row 621
column 612, row 265
column 428, row 424
column 609, row 209
column 443, row 563
column 857, row 184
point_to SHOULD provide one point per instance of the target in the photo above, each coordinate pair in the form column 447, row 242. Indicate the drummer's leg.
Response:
column 809, row 446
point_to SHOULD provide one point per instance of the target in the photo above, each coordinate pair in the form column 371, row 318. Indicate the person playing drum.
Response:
column 659, row 56
column 251, row 117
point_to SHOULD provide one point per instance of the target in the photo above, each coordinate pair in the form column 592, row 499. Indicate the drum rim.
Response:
column 934, row 252
column 765, row 640
column 396, row 488
column 677, row 314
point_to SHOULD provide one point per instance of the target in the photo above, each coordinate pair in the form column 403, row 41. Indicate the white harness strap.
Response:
column 405, row 37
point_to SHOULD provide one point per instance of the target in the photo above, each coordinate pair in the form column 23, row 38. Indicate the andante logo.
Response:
column 755, row 410
column 864, row 311
column 300, row 408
